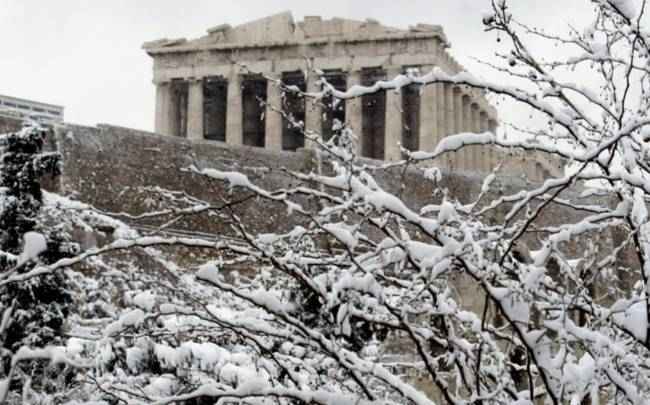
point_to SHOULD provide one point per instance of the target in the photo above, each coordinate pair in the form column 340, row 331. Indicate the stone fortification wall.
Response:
column 124, row 171
column 120, row 170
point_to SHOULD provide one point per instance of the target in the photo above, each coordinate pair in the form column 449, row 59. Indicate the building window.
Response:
column 180, row 96
column 293, row 105
column 373, row 116
column 253, row 105
column 333, row 108
column 215, row 108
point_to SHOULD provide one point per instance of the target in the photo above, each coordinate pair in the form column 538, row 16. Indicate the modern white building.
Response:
column 29, row 109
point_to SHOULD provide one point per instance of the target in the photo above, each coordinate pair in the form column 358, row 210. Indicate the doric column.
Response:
column 442, row 117
column 273, row 117
column 467, row 153
column 477, row 151
column 353, row 109
column 234, row 119
column 492, row 125
column 484, row 122
column 476, row 118
column 450, row 118
column 313, row 112
column 487, row 158
column 459, row 125
column 468, row 125
column 496, row 153
column 163, row 124
column 459, row 111
column 195, row 110
column 431, row 103
column 393, row 132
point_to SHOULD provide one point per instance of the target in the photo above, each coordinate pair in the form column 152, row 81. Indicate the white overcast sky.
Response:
column 86, row 55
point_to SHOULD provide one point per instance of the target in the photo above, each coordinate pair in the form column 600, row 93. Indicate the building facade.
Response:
column 216, row 87
column 28, row 109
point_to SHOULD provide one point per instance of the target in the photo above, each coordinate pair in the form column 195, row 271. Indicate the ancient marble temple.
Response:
column 216, row 87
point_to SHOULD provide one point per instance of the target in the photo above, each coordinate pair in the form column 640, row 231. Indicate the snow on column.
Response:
column 460, row 119
column 353, row 108
column 450, row 118
column 163, row 109
column 476, row 151
column 488, row 150
column 313, row 112
column 441, row 114
column 273, row 117
column 393, row 131
column 234, row 112
column 195, row 110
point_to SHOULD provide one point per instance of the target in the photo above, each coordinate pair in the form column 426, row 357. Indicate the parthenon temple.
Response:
column 216, row 87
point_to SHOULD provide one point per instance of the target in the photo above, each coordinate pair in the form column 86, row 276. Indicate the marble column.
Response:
column 234, row 119
column 441, row 124
column 477, row 151
column 353, row 110
column 195, row 110
column 273, row 116
column 393, row 131
column 459, row 111
column 487, row 160
column 450, row 120
column 484, row 122
column 492, row 125
column 442, row 119
column 313, row 112
column 450, row 115
column 459, row 126
column 430, row 98
column 496, row 153
column 163, row 125
column 467, row 153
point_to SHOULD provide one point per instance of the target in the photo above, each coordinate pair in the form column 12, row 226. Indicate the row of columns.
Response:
column 445, row 109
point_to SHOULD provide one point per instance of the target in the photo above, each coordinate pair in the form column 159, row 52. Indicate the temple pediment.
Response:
column 282, row 29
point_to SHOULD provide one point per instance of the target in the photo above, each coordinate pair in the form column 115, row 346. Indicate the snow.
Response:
column 209, row 272
column 625, row 7
column 515, row 307
column 634, row 319
column 135, row 358
column 167, row 355
column 447, row 212
column 234, row 178
column 34, row 244
column 145, row 300
column 132, row 318
column 406, row 259
column 343, row 234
